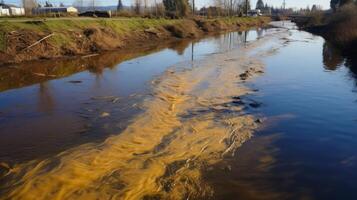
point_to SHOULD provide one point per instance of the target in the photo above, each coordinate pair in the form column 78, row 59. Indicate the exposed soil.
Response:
column 20, row 43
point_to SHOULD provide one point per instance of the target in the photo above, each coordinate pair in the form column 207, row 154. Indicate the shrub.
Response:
column 343, row 25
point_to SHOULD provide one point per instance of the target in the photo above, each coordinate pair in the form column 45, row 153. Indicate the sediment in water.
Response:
column 190, row 122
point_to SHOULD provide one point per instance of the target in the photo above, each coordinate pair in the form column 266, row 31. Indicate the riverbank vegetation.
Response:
column 51, row 38
column 338, row 26
column 41, row 37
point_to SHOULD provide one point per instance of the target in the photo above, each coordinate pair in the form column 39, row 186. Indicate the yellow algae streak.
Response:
column 189, row 123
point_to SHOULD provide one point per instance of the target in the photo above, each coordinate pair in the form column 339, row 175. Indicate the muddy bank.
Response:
column 32, row 40
column 194, row 117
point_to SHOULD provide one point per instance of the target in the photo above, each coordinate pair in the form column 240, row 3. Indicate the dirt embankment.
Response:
column 32, row 40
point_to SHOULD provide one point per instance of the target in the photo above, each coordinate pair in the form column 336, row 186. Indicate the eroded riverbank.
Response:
column 192, row 119
column 59, row 38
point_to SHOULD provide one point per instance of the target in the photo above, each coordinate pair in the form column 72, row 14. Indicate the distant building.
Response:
column 4, row 11
column 96, row 13
column 254, row 13
column 210, row 11
column 11, row 10
column 44, row 10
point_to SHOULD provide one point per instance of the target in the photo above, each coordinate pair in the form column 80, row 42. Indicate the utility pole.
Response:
column 246, row 7
column 284, row 4
column 193, row 7
column 230, row 7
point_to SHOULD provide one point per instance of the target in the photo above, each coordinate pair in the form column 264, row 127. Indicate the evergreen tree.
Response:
column 314, row 8
column 260, row 5
column 120, row 5
column 343, row 2
column 246, row 6
column 170, row 5
column 334, row 4
column 48, row 4
column 180, row 7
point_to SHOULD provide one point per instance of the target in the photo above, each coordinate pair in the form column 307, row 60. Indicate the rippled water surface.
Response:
column 49, row 106
column 306, row 101
column 307, row 148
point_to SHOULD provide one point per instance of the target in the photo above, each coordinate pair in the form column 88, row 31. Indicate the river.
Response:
column 180, row 120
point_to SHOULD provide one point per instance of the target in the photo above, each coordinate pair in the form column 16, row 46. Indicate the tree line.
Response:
column 336, row 4
column 170, row 8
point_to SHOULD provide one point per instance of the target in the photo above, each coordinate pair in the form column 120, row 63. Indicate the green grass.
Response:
column 77, row 23
column 64, row 28
column 119, row 25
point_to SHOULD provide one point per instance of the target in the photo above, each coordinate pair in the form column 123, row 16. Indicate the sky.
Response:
column 289, row 3
column 200, row 3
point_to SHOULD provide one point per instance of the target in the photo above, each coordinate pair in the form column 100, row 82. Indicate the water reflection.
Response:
column 351, row 62
column 56, row 104
column 169, row 162
column 28, row 73
column 233, row 40
column 247, row 175
column 314, row 154
column 54, row 112
column 333, row 59
column 46, row 101
column 260, row 32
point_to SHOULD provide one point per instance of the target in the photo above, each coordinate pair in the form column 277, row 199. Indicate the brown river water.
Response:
column 183, row 120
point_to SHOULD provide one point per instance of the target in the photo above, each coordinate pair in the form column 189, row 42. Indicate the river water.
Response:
column 303, row 149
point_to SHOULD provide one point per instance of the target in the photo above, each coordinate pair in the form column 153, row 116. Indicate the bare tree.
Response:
column 29, row 5
column 229, row 7
column 145, row 5
column 137, row 6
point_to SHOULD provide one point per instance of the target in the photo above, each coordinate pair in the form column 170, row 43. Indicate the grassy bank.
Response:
column 30, row 39
column 339, row 28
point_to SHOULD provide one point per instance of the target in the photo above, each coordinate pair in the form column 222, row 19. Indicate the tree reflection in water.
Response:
column 29, row 73
column 46, row 102
column 333, row 58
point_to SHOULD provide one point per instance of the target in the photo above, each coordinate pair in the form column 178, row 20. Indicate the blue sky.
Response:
column 289, row 3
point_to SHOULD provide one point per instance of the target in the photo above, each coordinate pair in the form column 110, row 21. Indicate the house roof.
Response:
column 54, row 8
column 4, row 5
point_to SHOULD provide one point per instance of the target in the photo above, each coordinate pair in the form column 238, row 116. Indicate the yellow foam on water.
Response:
column 188, row 124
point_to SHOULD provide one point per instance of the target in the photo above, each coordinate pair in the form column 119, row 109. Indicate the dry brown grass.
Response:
column 343, row 25
column 71, row 36
column 339, row 28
